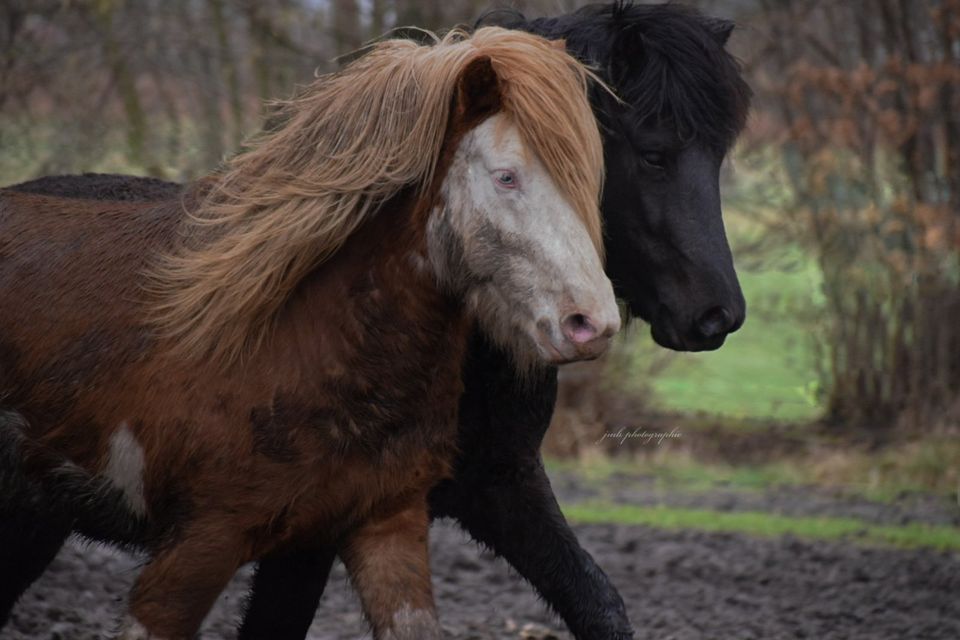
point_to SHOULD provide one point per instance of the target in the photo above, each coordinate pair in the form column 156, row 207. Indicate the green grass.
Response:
column 927, row 466
column 769, row 525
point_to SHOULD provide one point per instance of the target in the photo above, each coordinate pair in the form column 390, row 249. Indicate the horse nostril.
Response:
column 578, row 328
column 715, row 322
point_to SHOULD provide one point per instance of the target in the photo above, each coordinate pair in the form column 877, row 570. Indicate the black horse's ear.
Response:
column 506, row 18
column 721, row 29
column 478, row 90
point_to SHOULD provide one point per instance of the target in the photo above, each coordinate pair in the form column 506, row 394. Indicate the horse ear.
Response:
column 478, row 90
column 506, row 18
column 720, row 28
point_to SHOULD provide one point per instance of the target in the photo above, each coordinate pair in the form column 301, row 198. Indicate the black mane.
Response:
column 667, row 61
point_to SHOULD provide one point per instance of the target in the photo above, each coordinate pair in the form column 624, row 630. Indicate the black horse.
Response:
column 684, row 103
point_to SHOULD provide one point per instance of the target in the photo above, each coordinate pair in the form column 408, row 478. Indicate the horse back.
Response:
column 70, row 295
column 61, row 257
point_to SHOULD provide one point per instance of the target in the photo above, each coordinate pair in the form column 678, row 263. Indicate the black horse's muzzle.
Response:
column 706, row 330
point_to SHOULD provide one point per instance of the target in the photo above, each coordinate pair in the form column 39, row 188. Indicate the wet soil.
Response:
column 679, row 585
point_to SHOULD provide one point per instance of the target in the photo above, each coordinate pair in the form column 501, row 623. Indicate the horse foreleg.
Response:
column 516, row 515
column 285, row 594
column 501, row 495
column 388, row 564
column 179, row 585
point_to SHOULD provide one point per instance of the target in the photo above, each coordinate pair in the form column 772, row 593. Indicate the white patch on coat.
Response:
column 125, row 467
column 414, row 624
column 131, row 629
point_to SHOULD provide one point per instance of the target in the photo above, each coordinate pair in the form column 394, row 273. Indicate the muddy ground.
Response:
column 676, row 584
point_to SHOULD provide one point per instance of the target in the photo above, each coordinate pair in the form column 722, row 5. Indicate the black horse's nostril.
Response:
column 715, row 322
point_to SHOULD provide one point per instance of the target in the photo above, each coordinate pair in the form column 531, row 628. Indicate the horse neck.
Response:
column 377, row 295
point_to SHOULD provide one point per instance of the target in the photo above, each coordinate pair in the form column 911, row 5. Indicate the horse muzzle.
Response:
column 580, row 337
column 706, row 332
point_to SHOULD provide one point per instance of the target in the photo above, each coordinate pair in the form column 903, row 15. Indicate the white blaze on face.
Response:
column 125, row 465
column 508, row 238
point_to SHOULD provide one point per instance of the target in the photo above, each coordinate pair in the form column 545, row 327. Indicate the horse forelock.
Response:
column 343, row 147
column 545, row 93
column 666, row 61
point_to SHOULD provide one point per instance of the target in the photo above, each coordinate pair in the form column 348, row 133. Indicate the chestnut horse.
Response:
column 272, row 362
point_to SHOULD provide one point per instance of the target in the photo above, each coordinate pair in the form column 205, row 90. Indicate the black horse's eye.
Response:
column 653, row 158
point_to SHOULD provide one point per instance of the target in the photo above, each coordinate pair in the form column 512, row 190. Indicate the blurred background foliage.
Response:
column 841, row 199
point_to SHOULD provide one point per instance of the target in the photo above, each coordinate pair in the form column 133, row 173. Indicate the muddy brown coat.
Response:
column 332, row 433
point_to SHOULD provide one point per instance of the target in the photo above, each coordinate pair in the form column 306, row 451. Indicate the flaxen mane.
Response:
column 351, row 141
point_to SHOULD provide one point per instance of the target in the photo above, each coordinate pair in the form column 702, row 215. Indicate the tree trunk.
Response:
column 127, row 87
column 228, row 64
column 259, row 30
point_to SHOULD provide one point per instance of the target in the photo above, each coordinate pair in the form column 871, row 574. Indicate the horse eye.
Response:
column 507, row 179
column 652, row 158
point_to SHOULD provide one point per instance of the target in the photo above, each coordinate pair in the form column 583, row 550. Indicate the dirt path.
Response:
column 677, row 585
